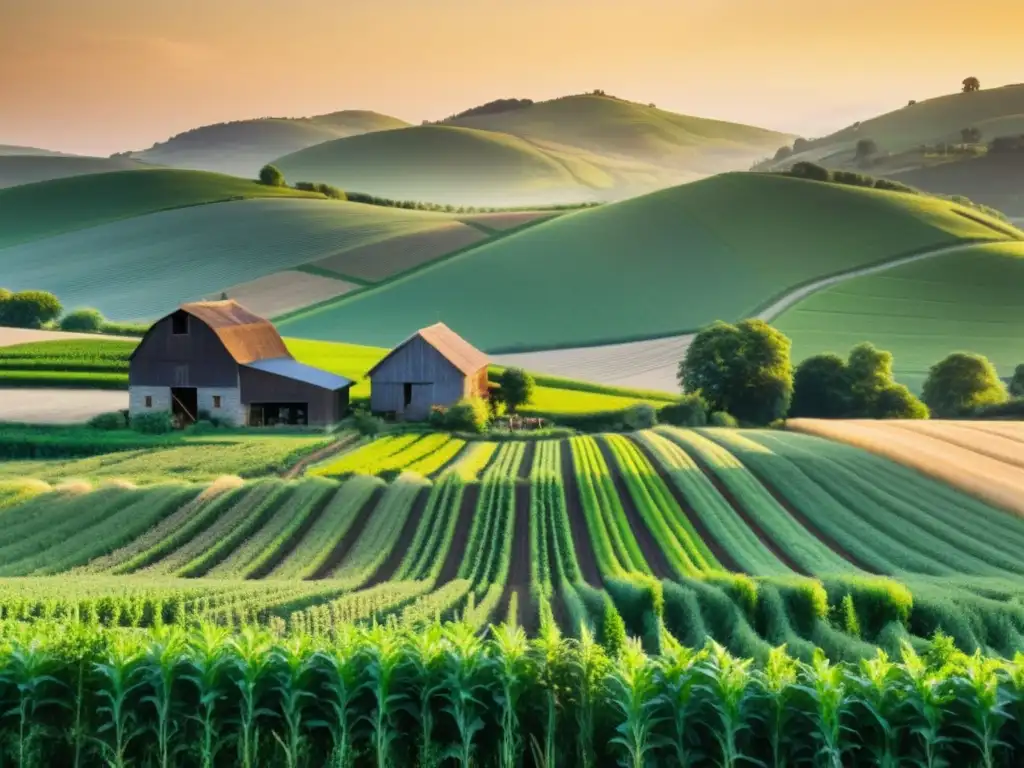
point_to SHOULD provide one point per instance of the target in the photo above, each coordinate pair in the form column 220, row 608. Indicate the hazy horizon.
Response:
column 102, row 76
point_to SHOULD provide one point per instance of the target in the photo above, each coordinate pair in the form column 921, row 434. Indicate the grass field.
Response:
column 36, row 211
column 921, row 312
column 689, row 264
column 611, row 561
column 242, row 147
column 442, row 165
column 992, row 180
column 28, row 169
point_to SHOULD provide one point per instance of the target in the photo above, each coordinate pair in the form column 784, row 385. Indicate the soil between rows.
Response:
column 581, row 542
column 405, row 538
column 460, row 536
column 343, row 547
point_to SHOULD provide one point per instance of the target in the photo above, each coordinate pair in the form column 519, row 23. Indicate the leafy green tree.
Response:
column 870, row 371
column 970, row 135
column 821, row 388
column 83, row 320
column 811, row 171
column 898, row 402
column 1017, row 382
column 515, row 388
column 29, row 309
column 743, row 369
column 271, row 176
column 865, row 148
column 962, row 382
column 971, row 84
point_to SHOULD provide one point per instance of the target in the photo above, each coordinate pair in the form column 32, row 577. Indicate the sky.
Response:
column 100, row 76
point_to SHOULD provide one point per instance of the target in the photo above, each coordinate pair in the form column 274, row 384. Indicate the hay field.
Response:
column 286, row 291
column 937, row 450
column 669, row 262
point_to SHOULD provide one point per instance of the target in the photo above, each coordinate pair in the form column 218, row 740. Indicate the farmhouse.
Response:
column 218, row 358
column 434, row 366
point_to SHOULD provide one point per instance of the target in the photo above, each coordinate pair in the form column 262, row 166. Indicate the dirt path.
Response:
column 457, row 547
column 653, row 364
column 319, row 455
column 649, row 547
column 351, row 536
column 398, row 552
column 717, row 548
column 58, row 406
column 581, row 543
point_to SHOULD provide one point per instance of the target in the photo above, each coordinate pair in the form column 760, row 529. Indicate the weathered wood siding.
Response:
column 325, row 406
column 435, row 381
column 195, row 359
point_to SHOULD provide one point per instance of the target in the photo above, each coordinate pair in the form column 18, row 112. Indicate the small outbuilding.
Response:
column 433, row 367
column 219, row 358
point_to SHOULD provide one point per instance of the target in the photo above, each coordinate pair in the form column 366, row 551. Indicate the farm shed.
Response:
column 434, row 366
column 218, row 357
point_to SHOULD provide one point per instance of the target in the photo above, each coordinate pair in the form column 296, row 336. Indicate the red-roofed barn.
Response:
column 219, row 358
column 434, row 366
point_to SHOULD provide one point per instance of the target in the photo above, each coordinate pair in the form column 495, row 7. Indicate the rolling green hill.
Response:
column 662, row 264
column 921, row 312
column 995, row 180
column 445, row 165
column 44, row 209
column 12, row 149
column 241, row 148
column 28, row 169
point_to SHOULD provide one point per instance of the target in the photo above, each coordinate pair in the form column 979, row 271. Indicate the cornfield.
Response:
column 446, row 695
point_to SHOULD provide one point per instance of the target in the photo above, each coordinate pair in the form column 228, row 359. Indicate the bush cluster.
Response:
column 154, row 423
column 28, row 309
column 468, row 415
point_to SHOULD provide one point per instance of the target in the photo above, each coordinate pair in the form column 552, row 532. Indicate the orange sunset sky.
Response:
column 98, row 76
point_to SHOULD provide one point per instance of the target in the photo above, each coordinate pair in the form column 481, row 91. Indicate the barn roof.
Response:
column 290, row 368
column 455, row 349
column 246, row 336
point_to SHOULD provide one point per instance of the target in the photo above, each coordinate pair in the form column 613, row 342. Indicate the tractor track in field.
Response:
column 519, row 565
column 652, row 553
column 398, row 552
column 581, row 543
column 335, row 447
column 343, row 547
column 722, row 555
column 460, row 537
column 803, row 520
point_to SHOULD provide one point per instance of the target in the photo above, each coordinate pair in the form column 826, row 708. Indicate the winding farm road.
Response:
column 653, row 364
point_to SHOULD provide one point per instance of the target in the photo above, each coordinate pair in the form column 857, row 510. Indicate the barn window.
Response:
column 149, row 401
column 179, row 323
column 216, row 401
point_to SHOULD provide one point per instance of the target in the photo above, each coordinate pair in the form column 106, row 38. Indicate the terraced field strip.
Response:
column 615, row 547
column 671, row 529
column 286, row 291
column 438, row 459
column 380, row 534
column 338, row 519
column 345, row 442
column 911, row 537
column 1004, row 449
column 775, row 527
column 985, row 478
column 489, row 552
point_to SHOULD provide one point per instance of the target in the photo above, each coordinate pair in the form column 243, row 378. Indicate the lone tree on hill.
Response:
column 28, row 309
column 271, row 176
column 743, row 369
column 865, row 148
column 971, row 84
column 962, row 382
column 515, row 388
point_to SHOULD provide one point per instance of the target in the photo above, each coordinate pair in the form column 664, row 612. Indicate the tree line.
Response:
column 746, row 370
column 42, row 309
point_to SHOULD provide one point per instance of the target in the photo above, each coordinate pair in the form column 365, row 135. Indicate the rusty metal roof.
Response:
column 246, row 336
column 455, row 349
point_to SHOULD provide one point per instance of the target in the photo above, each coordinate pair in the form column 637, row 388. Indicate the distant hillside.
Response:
column 995, row 180
column 443, row 164
column 516, row 152
column 658, row 265
column 242, row 147
column 11, row 149
column 27, row 169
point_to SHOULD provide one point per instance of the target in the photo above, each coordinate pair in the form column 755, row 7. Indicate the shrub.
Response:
column 469, row 415
column 639, row 416
column 897, row 402
column 29, row 309
column 1017, row 382
column 722, row 419
column 961, row 383
column 689, row 411
column 865, row 149
column 155, row 423
column 108, row 421
column 894, row 186
column 821, row 388
column 366, row 423
column 805, row 170
column 271, row 176
column 83, row 321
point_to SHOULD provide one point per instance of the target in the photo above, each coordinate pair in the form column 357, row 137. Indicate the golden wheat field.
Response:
column 982, row 459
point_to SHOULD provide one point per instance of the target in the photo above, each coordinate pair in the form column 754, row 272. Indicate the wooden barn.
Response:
column 219, row 358
column 434, row 366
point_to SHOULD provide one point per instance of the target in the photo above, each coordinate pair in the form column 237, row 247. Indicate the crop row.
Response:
column 391, row 697
column 386, row 455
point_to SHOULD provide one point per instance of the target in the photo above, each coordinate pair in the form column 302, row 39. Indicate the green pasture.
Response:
column 28, row 169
